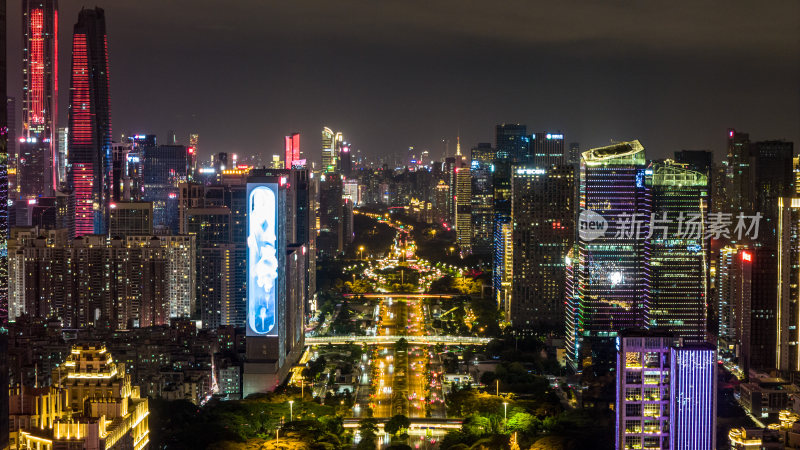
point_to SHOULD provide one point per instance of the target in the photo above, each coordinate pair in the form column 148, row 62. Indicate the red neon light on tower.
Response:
column 90, row 123
column 36, row 42
column 747, row 256
column 40, row 88
column 291, row 150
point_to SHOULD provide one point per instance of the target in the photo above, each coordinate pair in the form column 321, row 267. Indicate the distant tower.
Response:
column 90, row 123
column 40, row 96
column 292, row 149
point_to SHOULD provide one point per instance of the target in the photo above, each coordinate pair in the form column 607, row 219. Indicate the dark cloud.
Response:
column 391, row 74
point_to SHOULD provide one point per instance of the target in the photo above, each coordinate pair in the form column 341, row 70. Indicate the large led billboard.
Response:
column 262, row 258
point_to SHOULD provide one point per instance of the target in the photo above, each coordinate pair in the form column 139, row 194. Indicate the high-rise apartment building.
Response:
column 666, row 393
column 40, row 97
column 90, row 123
column 131, row 219
column 543, row 216
column 611, row 286
column 96, row 281
column 180, row 254
column 511, row 142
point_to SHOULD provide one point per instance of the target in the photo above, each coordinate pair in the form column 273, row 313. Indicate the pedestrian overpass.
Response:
column 391, row 339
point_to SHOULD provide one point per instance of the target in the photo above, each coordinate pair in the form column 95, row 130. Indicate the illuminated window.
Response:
column 652, row 394
column 633, row 442
column 633, row 360
column 633, row 394
column 652, row 410
column 633, row 426
column 633, row 377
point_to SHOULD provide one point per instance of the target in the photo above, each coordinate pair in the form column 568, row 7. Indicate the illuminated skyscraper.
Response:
column 330, row 149
column 292, row 150
column 739, row 173
column 511, row 141
column 543, row 219
column 546, row 149
column 511, row 144
column 345, row 159
column 276, row 284
column 4, row 192
column 612, row 289
column 677, row 261
column 164, row 168
column 90, row 123
column 463, row 210
column 91, row 404
column 734, row 303
column 40, row 97
column 482, row 198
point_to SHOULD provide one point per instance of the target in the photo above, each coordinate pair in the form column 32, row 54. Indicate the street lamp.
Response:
column 291, row 410
column 361, row 253
column 505, row 410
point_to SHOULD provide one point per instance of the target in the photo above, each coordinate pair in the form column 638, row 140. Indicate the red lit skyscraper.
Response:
column 40, row 94
column 90, row 123
column 292, row 150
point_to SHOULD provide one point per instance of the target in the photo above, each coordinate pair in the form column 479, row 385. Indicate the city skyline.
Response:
column 673, row 88
column 617, row 265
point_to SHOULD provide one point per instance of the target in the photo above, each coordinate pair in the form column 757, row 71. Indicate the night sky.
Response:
column 394, row 74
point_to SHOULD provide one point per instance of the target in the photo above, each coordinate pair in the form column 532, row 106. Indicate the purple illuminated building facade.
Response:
column 666, row 393
column 693, row 397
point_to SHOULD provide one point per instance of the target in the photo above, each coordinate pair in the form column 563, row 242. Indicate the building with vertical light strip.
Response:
column 788, row 339
column 693, row 397
column 37, row 147
column 666, row 392
column 611, row 287
column 90, row 123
